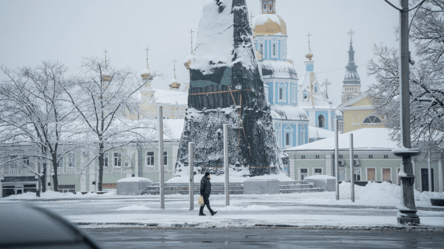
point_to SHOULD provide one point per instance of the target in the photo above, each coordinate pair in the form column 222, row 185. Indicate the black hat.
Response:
column 207, row 173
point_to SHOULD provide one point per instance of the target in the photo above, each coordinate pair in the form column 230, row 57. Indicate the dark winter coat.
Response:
column 205, row 186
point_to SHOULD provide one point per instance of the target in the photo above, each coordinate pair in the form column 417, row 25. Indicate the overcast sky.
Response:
column 69, row 30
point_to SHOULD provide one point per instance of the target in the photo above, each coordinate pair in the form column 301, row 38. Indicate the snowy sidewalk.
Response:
column 375, row 206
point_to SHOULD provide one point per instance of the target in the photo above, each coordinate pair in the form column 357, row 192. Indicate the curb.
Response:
column 136, row 225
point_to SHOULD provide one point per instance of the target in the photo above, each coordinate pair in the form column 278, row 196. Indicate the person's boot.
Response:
column 213, row 213
column 202, row 215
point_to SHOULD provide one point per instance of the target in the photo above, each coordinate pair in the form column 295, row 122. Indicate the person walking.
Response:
column 205, row 191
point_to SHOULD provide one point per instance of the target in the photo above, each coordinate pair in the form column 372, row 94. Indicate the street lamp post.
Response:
column 407, row 211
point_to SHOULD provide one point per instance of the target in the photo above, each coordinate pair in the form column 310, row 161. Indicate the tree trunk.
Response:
column 55, row 166
column 101, row 163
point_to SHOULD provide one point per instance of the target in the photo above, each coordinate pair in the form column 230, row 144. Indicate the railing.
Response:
column 71, row 170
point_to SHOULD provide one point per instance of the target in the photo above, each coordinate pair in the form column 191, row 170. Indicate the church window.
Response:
column 262, row 50
column 316, row 88
column 321, row 121
column 271, row 5
column 372, row 120
column 281, row 93
column 305, row 95
column 274, row 49
column 265, row 5
column 287, row 138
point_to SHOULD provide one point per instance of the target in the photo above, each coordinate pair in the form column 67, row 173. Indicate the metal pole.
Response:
column 227, row 172
column 191, row 163
column 407, row 211
column 161, row 161
column 352, row 169
column 1, row 185
column 429, row 161
column 337, row 158
column 440, row 174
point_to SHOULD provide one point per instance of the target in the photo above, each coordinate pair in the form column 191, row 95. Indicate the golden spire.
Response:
column 174, row 68
column 351, row 33
column 174, row 84
column 147, row 49
column 310, row 54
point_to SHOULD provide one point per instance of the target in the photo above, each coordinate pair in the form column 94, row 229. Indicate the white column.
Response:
column 440, row 174
column 352, row 170
column 191, row 164
column 227, row 169
column 161, row 166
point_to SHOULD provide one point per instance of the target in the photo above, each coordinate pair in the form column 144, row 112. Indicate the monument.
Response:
column 226, row 88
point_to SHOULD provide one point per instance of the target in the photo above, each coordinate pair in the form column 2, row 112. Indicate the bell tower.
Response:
column 268, row 6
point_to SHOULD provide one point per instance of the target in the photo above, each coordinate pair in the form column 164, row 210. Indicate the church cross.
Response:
column 147, row 49
column 175, row 68
column 309, row 35
column 351, row 33
column 105, row 56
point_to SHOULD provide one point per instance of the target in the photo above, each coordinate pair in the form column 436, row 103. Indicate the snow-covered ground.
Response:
column 375, row 206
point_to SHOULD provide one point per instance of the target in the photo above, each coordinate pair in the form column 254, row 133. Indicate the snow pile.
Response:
column 134, row 208
column 382, row 191
column 235, row 176
column 135, row 179
column 248, row 208
column 49, row 194
column 319, row 177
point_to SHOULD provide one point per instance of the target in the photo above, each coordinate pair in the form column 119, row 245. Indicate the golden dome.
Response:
column 269, row 24
column 174, row 84
column 258, row 55
column 146, row 74
column 187, row 64
column 309, row 55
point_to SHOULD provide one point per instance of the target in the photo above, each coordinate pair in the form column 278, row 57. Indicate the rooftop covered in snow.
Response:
column 363, row 139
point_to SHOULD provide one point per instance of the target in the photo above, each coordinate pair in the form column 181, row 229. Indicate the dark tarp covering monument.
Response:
column 226, row 88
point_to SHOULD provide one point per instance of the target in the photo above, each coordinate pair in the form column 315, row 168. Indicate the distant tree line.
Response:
column 44, row 108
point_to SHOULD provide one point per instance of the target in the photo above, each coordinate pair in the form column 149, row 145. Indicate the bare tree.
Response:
column 106, row 101
column 426, row 79
column 34, row 112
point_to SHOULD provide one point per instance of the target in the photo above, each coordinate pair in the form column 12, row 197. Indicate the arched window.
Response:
column 274, row 49
column 265, row 5
column 372, row 120
column 287, row 139
column 305, row 95
column 262, row 50
column 316, row 88
column 321, row 121
column 271, row 5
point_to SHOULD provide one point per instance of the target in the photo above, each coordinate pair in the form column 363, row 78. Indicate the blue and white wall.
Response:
column 272, row 47
column 291, row 133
